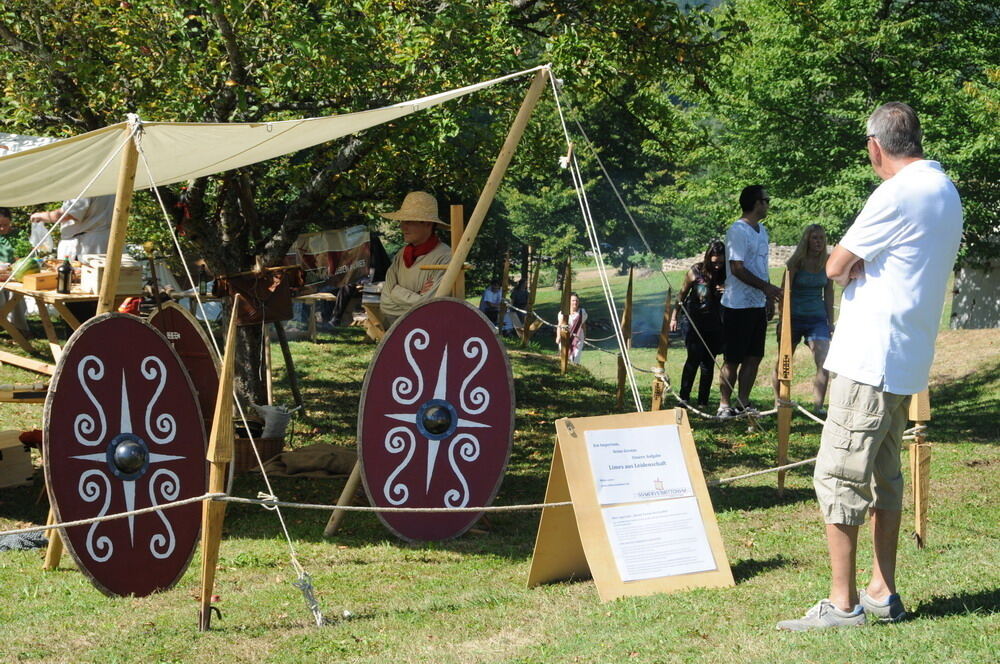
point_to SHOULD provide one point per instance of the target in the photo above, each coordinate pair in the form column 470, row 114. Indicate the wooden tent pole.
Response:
column 920, row 465
column 119, row 223
column 109, row 282
column 220, row 453
column 784, row 371
column 661, row 351
column 529, row 316
column 563, row 332
column 457, row 229
column 460, row 253
column 627, row 337
column 460, row 250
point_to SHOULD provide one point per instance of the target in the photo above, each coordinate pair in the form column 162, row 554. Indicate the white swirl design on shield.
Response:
column 161, row 546
column 468, row 451
column 91, row 368
column 479, row 397
column 90, row 491
column 152, row 369
column 403, row 389
column 395, row 443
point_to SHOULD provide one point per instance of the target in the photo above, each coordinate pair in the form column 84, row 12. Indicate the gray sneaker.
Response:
column 889, row 610
column 823, row 616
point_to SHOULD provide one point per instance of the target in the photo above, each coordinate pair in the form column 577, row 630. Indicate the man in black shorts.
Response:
column 745, row 301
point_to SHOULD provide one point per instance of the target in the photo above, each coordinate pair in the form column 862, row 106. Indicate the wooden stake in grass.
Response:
column 627, row 336
column 220, row 453
column 529, row 317
column 661, row 351
column 784, row 379
column 563, row 333
column 504, row 283
column 920, row 465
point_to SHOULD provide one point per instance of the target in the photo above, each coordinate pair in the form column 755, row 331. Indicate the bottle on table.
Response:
column 64, row 277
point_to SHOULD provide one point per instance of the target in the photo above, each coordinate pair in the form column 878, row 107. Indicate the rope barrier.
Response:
column 761, row 472
column 112, row 517
column 269, row 503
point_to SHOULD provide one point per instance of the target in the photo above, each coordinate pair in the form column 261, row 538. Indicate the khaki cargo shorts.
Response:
column 858, row 464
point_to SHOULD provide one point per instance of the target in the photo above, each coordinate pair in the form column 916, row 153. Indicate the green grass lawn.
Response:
column 466, row 601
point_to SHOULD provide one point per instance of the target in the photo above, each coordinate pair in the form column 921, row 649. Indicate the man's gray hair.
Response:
column 897, row 129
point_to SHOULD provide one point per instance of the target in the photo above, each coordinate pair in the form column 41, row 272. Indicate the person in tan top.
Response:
column 406, row 285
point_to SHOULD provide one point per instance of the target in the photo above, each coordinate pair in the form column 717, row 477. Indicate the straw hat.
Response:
column 417, row 206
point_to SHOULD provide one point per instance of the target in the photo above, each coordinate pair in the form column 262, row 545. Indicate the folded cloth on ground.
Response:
column 320, row 460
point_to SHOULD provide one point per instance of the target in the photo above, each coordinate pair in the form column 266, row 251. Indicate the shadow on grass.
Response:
column 984, row 602
column 737, row 498
column 745, row 570
column 964, row 411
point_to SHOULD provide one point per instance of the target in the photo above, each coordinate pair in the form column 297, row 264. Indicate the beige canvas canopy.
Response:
column 181, row 151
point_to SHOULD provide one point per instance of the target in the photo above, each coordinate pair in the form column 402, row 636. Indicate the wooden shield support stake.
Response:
column 563, row 332
column 661, row 352
column 784, row 379
column 220, row 453
column 123, row 431
column 460, row 251
column 436, row 419
column 627, row 336
column 920, row 465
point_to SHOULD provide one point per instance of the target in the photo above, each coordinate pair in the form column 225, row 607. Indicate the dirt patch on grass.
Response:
column 961, row 353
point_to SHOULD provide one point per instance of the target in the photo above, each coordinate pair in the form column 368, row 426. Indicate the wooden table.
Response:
column 17, row 292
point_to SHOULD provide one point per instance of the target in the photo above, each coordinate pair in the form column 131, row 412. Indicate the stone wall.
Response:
column 779, row 254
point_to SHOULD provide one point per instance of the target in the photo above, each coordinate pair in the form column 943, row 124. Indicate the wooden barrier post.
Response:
column 627, row 336
column 661, row 352
column 529, row 317
column 457, row 228
column 784, row 379
column 220, row 454
column 504, row 283
column 920, row 465
column 563, row 332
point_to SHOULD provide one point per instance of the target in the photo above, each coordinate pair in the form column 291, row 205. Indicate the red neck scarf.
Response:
column 412, row 252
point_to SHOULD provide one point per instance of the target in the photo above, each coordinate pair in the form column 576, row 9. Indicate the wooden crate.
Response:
column 15, row 461
column 129, row 279
column 243, row 456
column 41, row 281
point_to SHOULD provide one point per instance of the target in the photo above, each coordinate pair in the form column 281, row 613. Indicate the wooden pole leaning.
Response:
column 627, row 337
column 504, row 283
column 562, row 334
column 460, row 250
column 529, row 317
column 920, row 465
column 661, row 352
column 460, row 253
column 109, row 283
column 220, row 454
column 119, row 223
column 784, row 371
column 457, row 219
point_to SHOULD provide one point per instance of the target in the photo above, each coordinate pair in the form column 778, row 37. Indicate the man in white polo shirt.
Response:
column 745, row 301
column 894, row 263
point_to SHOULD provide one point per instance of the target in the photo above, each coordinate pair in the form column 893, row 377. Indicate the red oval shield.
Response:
column 436, row 419
column 123, row 431
column 186, row 335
